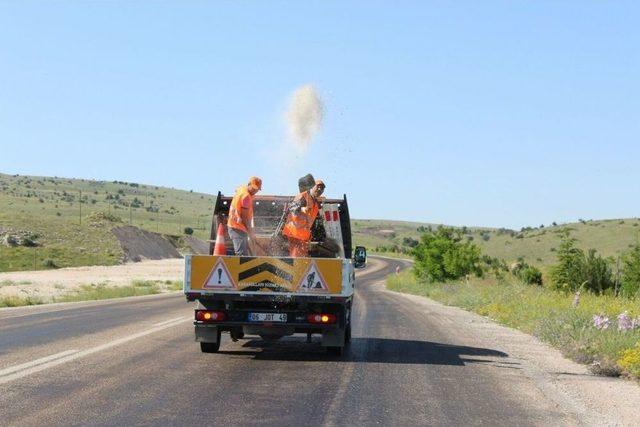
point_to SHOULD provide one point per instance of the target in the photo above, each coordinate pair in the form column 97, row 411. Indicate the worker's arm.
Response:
column 298, row 205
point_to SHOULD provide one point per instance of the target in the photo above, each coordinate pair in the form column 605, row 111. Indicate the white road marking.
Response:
column 19, row 371
column 172, row 320
column 36, row 362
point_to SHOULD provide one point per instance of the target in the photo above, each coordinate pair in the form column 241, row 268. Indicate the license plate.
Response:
column 267, row 317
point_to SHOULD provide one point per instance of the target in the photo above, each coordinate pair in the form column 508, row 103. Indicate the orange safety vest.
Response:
column 298, row 226
column 235, row 219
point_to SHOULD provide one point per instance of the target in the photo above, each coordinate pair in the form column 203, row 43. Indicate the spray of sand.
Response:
column 304, row 116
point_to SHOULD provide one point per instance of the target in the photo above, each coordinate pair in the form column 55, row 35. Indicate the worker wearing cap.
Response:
column 302, row 213
column 240, row 223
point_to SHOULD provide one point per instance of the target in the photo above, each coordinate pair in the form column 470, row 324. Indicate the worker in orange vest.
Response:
column 302, row 213
column 240, row 222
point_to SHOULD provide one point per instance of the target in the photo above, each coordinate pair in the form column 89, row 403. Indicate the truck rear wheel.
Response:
column 211, row 347
column 335, row 351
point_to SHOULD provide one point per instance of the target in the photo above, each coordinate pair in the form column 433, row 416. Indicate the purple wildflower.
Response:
column 625, row 322
column 601, row 321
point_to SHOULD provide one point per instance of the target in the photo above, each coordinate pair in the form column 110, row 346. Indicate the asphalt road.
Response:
column 134, row 361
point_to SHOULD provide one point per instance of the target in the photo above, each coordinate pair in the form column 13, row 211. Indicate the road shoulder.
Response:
column 600, row 400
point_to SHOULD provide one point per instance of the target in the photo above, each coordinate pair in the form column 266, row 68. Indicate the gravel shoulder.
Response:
column 47, row 284
column 598, row 400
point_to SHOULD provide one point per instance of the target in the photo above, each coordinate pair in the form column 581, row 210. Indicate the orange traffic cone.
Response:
column 220, row 248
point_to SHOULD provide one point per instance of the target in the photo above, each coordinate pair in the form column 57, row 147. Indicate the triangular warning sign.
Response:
column 219, row 278
column 312, row 280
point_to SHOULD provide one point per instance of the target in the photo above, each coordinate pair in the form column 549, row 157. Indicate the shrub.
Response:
column 28, row 242
column 442, row 255
column 10, row 240
column 409, row 241
column 526, row 273
column 49, row 263
column 575, row 270
column 530, row 276
column 496, row 266
column 631, row 272
column 188, row 231
column 598, row 274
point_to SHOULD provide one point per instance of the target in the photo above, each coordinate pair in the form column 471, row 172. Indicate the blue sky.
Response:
column 467, row 113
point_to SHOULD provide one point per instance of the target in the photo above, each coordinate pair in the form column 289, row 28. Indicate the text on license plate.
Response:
column 267, row 317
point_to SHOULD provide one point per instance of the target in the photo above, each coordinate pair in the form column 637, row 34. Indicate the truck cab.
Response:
column 271, row 294
column 360, row 257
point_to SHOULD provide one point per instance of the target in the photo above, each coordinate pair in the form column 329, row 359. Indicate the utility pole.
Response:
column 80, row 204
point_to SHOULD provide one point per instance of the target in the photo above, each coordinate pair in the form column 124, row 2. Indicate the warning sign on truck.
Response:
column 312, row 280
column 265, row 274
column 219, row 277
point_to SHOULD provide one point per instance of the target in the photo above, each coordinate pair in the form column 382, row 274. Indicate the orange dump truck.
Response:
column 271, row 294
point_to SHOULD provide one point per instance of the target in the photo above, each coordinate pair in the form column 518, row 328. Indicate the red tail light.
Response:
column 321, row 318
column 210, row 316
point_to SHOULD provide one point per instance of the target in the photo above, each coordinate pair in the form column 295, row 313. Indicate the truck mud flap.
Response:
column 333, row 337
column 206, row 333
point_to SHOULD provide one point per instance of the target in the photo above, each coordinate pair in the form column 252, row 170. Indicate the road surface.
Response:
column 134, row 361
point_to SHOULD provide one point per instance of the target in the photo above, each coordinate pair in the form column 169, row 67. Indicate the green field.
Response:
column 56, row 214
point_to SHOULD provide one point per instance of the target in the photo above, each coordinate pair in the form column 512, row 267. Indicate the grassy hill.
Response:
column 59, row 216
column 537, row 246
column 47, row 212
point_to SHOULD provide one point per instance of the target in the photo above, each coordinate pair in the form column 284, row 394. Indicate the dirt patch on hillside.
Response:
column 195, row 246
column 138, row 244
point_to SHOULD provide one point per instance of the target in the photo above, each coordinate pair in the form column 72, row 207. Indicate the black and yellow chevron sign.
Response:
column 259, row 273
column 268, row 274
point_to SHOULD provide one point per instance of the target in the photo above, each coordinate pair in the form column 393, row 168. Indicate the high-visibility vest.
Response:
column 235, row 219
column 298, row 225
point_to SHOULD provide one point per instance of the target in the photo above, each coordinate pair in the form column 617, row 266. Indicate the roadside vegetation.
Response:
column 585, row 304
column 99, row 291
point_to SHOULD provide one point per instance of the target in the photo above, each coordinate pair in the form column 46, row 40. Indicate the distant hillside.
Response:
column 610, row 238
column 43, row 214
column 536, row 245
column 67, row 220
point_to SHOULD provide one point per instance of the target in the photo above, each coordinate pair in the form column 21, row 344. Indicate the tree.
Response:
column 443, row 255
column 188, row 231
column 568, row 273
column 598, row 274
column 575, row 270
column 631, row 272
